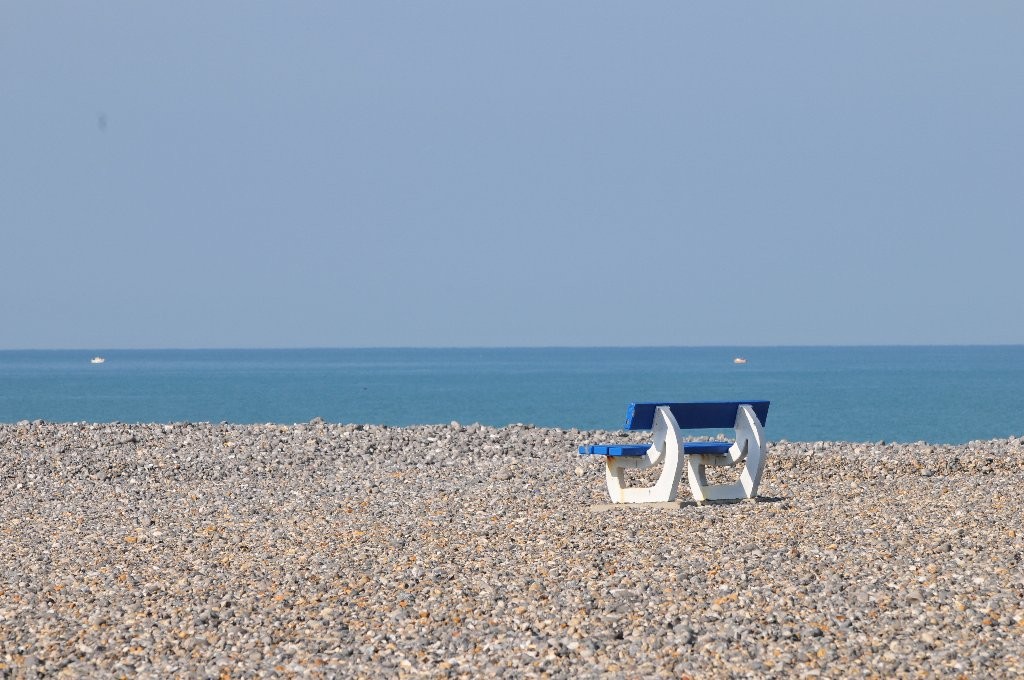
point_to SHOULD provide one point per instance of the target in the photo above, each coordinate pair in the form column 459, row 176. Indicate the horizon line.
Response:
column 277, row 348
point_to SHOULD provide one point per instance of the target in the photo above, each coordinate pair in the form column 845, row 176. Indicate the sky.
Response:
column 465, row 173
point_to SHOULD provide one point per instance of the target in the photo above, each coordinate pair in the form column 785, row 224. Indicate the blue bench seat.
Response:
column 668, row 419
column 695, row 448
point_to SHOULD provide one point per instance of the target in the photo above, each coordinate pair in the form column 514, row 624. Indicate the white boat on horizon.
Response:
column 97, row 360
column 739, row 360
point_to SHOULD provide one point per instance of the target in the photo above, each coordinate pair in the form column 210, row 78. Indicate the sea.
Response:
column 936, row 394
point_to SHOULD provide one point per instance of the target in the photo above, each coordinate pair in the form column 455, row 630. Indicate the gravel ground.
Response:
column 204, row 550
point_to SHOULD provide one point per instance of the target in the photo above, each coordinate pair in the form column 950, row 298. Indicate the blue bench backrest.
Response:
column 694, row 416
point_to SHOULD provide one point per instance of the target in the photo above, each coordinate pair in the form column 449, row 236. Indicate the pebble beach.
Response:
column 338, row 550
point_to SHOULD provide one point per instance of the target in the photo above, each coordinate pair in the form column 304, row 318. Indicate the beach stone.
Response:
column 344, row 550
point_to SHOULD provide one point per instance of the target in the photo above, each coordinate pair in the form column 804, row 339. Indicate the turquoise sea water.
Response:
column 935, row 394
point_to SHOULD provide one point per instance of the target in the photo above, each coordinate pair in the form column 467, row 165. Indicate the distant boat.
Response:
column 739, row 360
column 97, row 360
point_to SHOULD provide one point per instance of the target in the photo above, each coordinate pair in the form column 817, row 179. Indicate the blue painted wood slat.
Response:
column 707, row 448
column 697, row 448
column 695, row 415
column 615, row 449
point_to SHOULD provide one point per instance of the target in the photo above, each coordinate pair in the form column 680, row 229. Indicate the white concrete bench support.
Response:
column 666, row 447
column 750, row 447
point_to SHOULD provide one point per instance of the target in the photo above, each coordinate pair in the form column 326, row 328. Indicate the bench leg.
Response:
column 666, row 446
column 750, row 446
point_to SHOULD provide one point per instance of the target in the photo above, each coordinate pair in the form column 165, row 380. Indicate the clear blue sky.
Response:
column 510, row 173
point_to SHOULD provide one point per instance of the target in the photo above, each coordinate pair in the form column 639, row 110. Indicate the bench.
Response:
column 667, row 420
